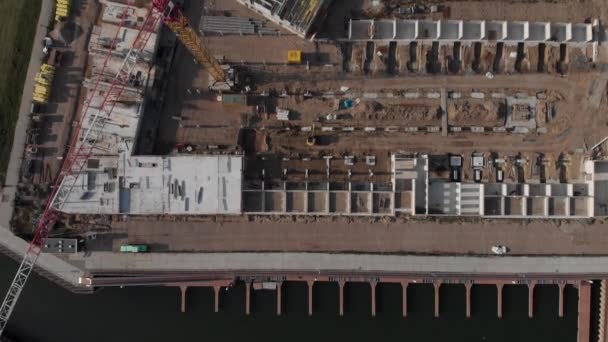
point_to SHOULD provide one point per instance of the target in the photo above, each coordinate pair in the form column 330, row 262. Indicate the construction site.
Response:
column 258, row 116
column 165, row 131
column 262, row 112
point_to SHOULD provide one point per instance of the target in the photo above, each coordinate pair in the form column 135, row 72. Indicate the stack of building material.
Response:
column 62, row 9
column 234, row 25
column 44, row 80
column 282, row 114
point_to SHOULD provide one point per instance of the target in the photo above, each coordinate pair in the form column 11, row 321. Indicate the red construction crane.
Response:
column 81, row 146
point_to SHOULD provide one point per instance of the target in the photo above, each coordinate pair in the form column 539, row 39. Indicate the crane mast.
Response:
column 79, row 150
column 81, row 146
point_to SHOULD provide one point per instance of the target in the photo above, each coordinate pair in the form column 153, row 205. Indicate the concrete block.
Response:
column 521, row 130
column 477, row 95
column 477, row 129
column 348, row 129
column 411, row 95
column 327, row 129
column 369, row 129
column 455, row 95
column 433, row 129
column 411, row 129
column 499, row 129
column 455, row 129
column 370, row 95
column 433, row 95
column 391, row 129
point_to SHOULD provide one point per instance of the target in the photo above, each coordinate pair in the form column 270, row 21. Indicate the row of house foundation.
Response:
column 412, row 191
column 477, row 30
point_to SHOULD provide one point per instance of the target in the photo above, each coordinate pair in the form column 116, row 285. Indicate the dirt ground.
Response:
column 556, row 11
column 382, row 236
column 476, row 113
column 187, row 112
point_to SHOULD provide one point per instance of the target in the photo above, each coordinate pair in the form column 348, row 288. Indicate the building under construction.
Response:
column 246, row 179
column 262, row 140
column 302, row 17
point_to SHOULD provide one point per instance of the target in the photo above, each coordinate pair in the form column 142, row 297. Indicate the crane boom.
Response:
column 81, row 147
column 179, row 24
column 79, row 151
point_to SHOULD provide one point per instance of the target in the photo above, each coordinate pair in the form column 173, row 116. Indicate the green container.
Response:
column 234, row 99
column 133, row 248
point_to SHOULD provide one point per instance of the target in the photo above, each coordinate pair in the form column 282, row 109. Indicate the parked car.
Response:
column 500, row 249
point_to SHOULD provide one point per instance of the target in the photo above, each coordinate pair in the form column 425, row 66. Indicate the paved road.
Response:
column 342, row 235
column 346, row 262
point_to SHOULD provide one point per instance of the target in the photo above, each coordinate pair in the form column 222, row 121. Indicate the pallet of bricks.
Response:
column 62, row 9
column 44, row 80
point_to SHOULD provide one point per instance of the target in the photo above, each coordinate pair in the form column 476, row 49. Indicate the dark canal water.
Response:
column 49, row 313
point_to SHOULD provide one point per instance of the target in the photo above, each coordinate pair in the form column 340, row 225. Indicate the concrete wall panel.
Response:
column 384, row 29
column 517, row 30
column 539, row 31
column 428, row 30
column 473, row 30
column 561, row 32
column 450, row 29
column 406, row 29
column 360, row 29
column 496, row 30
column 582, row 33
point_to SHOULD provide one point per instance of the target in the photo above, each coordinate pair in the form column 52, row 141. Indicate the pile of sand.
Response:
column 407, row 112
column 473, row 113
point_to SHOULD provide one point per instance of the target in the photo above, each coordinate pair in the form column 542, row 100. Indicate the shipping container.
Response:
column 133, row 248
column 234, row 99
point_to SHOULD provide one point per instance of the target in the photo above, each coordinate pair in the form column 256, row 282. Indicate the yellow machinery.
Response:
column 311, row 140
column 44, row 80
column 294, row 56
column 62, row 9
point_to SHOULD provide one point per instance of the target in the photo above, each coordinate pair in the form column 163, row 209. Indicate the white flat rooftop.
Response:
column 154, row 185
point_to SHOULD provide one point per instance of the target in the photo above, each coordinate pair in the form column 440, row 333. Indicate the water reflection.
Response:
column 153, row 314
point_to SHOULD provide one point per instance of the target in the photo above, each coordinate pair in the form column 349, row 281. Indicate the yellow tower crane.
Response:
column 224, row 77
